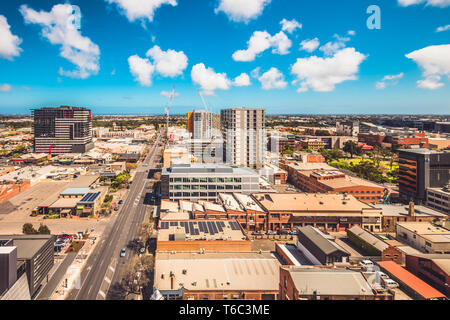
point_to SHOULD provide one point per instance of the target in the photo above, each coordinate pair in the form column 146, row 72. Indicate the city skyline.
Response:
column 284, row 56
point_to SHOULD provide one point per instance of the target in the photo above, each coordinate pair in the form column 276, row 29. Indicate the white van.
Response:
column 366, row 263
column 391, row 284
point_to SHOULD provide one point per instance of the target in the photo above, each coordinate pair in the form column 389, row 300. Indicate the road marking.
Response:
column 107, row 280
column 102, row 294
column 111, row 268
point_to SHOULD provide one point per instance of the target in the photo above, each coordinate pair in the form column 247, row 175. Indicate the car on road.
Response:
column 123, row 251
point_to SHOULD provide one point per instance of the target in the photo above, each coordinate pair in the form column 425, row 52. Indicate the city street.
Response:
column 99, row 270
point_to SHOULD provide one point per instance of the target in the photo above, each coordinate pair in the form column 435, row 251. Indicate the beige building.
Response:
column 424, row 236
column 176, row 154
column 217, row 276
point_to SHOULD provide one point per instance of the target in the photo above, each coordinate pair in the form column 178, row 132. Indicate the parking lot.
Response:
column 15, row 212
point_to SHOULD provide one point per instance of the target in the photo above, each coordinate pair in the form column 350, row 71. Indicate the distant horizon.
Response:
column 267, row 113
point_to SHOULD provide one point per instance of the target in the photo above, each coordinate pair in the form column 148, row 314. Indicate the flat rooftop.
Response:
column 217, row 271
column 75, row 191
column 200, row 230
column 394, row 210
column 207, row 169
column 336, row 282
column 428, row 231
column 27, row 245
column 310, row 202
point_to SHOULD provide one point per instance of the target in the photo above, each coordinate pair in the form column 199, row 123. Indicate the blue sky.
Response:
column 363, row 70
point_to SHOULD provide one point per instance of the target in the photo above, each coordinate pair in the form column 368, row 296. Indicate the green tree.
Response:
column 332, row 154
column 352, row 148
column 43, row 229
column 28, row 228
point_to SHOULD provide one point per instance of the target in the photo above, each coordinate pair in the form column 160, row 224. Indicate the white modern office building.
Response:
column 206, row 181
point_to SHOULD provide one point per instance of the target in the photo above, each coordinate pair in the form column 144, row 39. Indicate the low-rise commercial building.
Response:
column 424, row 236
column 27, row 257
column 412, row 285
column 439, row 199
column 331, row 212
column 395, row 213
column 434, row 269
column 196, row 236
column 310, row 283
column 323, row 181
column 319, row 248
column 217, row 276
column 206, row 181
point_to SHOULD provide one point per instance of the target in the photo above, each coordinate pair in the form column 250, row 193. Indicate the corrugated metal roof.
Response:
column 410, row 280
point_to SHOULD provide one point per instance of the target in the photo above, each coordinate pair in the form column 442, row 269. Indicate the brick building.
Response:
column 217, row 276
column 330, row 212
column 188, row 235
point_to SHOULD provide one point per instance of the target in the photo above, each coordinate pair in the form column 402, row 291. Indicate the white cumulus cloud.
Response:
column 141, row 69
column 141, row 9
column 389, row 80
column 434, row 3
column 168, row 63
column 323, row 74
column 330, row 48
column 9, row 43
column 434, row 62
column 208, row 79
column 290, row 25
column 443, row 28
column 57, row 27
column 309, row 45
column 260, row 41
column 242, row 10
column 5, row 88
column 272, row 79
column 243, row 80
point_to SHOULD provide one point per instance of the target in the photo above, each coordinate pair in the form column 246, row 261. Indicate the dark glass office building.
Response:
column 420, row 169
column 62, row 130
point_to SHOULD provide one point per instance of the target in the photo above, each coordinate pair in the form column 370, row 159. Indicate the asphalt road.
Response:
column 99, row 270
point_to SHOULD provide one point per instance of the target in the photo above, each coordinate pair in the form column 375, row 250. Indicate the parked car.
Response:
column 271, row 232
column 280, row 232
column 391, row 284
column 366, row 263
column 383, row 275
column 293, row 233
column 64, row 236
column 123, row 251
column 120, row 201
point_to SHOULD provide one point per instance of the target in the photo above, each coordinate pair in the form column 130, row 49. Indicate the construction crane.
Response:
column 203, row 101
column 167, row 109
